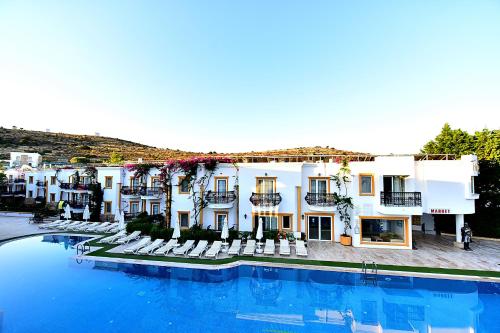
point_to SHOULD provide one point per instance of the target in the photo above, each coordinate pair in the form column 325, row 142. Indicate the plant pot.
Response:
column 345, row 240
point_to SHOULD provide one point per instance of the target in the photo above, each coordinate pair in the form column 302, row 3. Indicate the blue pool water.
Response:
column 43, row 290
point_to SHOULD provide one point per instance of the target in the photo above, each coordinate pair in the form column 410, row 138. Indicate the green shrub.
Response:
column 158, row 231
column 79, row 159
column 144, row 228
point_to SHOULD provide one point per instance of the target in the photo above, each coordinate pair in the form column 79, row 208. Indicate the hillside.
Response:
column 62, row 147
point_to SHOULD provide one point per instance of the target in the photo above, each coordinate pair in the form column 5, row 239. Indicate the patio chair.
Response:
column 90, row 226
column 284, row 247
column 151, row 247
column 133, row 236
column 214, row 250
column 99, row 226
column 182, row 250
column 165, row 249
column 269, row 248
column 235, row 248
column 199, row 249
column 143, row 242
column 249, row 249
column 300, row 248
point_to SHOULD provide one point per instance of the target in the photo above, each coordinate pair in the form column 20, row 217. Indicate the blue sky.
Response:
column 371, row 76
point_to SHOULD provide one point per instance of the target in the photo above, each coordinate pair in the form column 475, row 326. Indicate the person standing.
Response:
column 466, row 236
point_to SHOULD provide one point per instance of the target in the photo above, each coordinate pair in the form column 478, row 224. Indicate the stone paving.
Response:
column 433, row 251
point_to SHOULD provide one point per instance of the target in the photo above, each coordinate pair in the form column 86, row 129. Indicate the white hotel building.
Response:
column 391, row 195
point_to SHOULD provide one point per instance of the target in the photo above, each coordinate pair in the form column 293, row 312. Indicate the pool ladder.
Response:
column 82, row 247
column 370, row 272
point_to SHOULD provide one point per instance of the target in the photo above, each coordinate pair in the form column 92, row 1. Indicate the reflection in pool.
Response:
column 43, row 290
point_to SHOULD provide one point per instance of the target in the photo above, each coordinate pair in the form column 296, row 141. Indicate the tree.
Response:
column 116, row 158
column 485, row 145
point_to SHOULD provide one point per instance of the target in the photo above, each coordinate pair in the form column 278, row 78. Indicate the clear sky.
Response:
column 370, row 76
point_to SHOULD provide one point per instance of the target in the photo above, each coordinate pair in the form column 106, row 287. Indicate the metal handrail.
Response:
column 401, row 199
column 265, row 199
column 220, row 197
column 320, row 199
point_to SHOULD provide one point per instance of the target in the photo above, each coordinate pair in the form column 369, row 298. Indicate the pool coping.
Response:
column 283, row 265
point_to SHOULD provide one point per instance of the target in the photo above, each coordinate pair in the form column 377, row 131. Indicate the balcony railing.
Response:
column 130, row 216
column 265, row 199
column 127, row 190
column 12, row 191
column 151, row 191
column 401, row 199
column 78, row 204
column 320, row 199
column 17, row 180
column 74, row 186
column 40, row 183
column 220, row 197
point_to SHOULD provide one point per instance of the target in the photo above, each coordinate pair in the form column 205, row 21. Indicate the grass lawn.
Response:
column 105, row 247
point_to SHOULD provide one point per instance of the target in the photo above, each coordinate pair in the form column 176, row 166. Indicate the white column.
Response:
column 459, row 223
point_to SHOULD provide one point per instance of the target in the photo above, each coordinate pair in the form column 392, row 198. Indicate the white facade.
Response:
column 389, row 194
column 18, row 159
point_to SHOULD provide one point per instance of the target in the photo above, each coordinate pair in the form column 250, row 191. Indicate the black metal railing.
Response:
column 130, row 216
column 265, row 199
column 401, row 199
column 151, row 191
column 12, row 191
column 79, row 204
column 17, row 180
column 40, row 183
column 220, row 197
column 74, row 186
column 127, row 190
column 320, row 199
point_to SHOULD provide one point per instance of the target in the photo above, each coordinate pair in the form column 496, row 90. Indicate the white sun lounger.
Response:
column 114, row 227
column 54, row 226
column 165, row 249
column 143, row 242
column 249, row 249
column 184, row 248
column 90, row 226
column 68, row 226
column 199, row 249
column 300, row 248
column 99, row 226
column 80, row 226
column 235, row 248
column 284, row 247
column 269, row 248
column 213, row 251
column 51, row 224
column 133, row 236
column 151, row 247
column 111, row 239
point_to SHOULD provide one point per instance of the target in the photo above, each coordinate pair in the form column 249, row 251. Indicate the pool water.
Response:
column 43, row 290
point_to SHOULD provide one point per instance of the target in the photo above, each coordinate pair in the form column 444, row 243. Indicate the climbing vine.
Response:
column 341, row 198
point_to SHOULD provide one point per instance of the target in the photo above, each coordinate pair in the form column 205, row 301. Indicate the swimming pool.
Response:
column 43, row 290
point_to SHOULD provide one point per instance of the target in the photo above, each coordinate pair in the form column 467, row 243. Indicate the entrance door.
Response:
column 320, row 228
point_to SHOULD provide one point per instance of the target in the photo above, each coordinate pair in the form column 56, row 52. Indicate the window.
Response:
column 366, row 184
column 219, row 220
column 107, row 207
column 134, row 207
column 30, row 179
column 394, row 184
column 108, row 182
column 135, row 182
column 384, row 230
column 52, row 180
column 155, row 182
column 472, row 185
column 184, row 219
column 286, row 222
column 221, row 184
column 183, row 185
column 30, row 194
column 266, row 185
column 155, row 208
column 52, row 197
column 319, row 185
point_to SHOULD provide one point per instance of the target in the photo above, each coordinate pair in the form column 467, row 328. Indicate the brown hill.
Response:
column 61, row 147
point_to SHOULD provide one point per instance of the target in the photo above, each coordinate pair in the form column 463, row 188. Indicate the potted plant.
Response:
column 343, row 201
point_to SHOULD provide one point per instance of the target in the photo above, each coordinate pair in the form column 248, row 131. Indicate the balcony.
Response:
column 40, row 183
column 265, row 201
column 17, row 180
column 74, row 187
column 130, row 216
column 7, row 191
column 320, row 201
column 151, row 192
column 220, row 200
column 129, row 192
column 401, row 199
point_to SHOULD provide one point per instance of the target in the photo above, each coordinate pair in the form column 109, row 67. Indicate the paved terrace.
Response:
column 433, row 251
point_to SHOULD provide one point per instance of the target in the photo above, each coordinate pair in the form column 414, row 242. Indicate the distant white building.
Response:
column 391, row 195
column 18, row 159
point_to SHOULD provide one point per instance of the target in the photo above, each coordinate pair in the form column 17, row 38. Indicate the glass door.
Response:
column 319, row 186
column 221, row 185
column 265, row 185
column 320, row 228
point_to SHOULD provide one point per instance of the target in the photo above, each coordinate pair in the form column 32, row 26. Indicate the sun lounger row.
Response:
column 70, row 225
column 159, row 248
